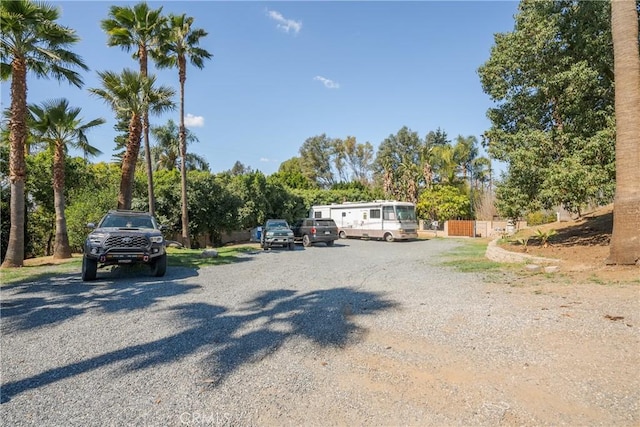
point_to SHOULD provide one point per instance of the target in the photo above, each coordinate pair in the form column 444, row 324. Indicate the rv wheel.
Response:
column 342, row 235
column 388, row 237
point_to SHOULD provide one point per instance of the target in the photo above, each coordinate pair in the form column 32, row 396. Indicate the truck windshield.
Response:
column 406, row 213
column 277, row 224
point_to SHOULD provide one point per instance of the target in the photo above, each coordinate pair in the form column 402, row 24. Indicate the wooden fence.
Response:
column 461, row 228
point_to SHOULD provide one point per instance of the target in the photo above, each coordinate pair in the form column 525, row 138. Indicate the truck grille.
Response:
column 126, row 242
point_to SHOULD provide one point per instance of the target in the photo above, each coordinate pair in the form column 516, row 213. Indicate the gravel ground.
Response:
column 362, row 333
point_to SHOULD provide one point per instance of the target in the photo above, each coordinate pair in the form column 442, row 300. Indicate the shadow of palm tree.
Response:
column 231, row 339
column 65, row 296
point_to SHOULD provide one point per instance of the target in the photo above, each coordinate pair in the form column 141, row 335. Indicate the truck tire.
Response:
column 292, row 246
column 159, row 266
column 306, row 242
column 330, row 242
column 89, row 268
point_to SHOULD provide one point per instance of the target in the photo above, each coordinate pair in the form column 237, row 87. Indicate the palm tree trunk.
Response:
column 186, row 241
column 14, row 256
column 147, row 154
column 145, row 130
column 61, row 247
column 625, row 239
column 125, row 195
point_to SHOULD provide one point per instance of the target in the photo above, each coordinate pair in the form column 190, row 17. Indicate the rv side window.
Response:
column 374, row 213
column 388, row 213
column 317, row 214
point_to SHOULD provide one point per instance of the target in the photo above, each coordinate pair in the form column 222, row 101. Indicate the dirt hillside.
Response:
column 582, row 245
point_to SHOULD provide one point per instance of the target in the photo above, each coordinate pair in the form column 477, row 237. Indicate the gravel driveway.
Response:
column 362, row 333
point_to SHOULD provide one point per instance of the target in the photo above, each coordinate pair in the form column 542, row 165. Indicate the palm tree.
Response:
column 31, row 42
column 58, row 125
column 625, row 239
column 131, row 94
column 139, row 28
column 166, row 152
column 180, row 46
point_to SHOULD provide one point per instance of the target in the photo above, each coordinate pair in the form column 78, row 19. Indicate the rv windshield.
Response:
column 406, row 213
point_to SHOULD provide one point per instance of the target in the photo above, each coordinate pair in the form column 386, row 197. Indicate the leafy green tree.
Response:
column 239, row 168
column 58, row 125
column 180, row 45
column 552, row 80
column 442, row 203
column 95, row 193
column 131, row 94
column 360, row 158
column 290, row 174
column 139, row 28
column 316, row 159
column 251, row 188
column 32, row 41
column 397, row 160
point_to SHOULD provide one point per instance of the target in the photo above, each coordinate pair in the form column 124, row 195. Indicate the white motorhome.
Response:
column 380, row 219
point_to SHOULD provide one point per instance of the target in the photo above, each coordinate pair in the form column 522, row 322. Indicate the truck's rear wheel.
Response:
column 306, row 241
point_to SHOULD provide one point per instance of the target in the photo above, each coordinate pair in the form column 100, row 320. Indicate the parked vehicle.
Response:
column 276, row 232
column 380, row 219
column 124, row 237
column 312, row 230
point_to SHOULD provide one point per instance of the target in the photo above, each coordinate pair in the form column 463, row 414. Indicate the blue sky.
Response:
column 286, row 71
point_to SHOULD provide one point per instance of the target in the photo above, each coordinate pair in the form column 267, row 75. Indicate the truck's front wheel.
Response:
column 89, row 268
column 159, row 266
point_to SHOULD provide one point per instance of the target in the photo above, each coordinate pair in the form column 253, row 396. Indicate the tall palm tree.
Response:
column 33, row 42
column 625, row 239
column 131, row 94
column 180, row 46
column 139, row 28
column 59, row 126
column 166, row 154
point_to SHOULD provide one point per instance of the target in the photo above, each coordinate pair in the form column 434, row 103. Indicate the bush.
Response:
column 539, row 218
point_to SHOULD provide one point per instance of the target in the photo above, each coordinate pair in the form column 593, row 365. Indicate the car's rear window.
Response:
column 326, row 222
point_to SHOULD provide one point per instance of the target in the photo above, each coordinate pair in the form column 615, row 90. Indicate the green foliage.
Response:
column 539, row 218
column 443, row 203
column 552, row 78
column 544, row 236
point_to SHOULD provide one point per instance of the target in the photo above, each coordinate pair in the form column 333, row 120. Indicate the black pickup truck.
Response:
column 314, row 230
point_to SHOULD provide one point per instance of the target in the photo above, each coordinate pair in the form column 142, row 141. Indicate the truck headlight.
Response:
column 156, row 239
column 96, row 239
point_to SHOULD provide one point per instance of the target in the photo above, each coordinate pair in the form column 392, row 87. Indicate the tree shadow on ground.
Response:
column 53, row 300
column 229, row 339
column 590, row 231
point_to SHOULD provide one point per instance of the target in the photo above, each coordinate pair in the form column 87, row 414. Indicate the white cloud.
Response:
column 284, row 24
column 193, row 121
column 329, row 84
column 266, row 160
